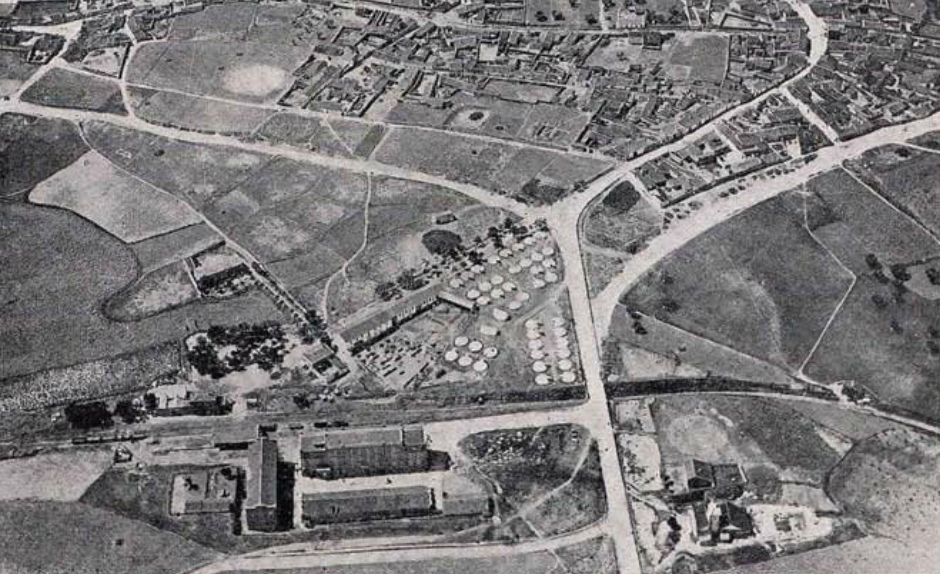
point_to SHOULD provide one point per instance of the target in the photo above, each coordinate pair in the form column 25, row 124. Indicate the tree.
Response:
column 441, row 241
column 387, row 291
column 87, row 416
column 128, row 411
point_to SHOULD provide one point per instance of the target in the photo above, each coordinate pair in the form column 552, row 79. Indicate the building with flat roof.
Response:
column 261, row 509
column 367, row 504
column 364, row 452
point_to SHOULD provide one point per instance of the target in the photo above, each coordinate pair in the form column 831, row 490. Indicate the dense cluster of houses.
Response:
column 33, row 48
column 767, row 134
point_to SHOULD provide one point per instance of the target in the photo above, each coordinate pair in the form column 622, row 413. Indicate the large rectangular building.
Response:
column 367, row 504
column 261, row 510
column 365, row 452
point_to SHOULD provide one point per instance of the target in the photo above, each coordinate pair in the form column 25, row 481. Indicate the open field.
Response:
column 125, row 207
column 759, row 283
column 240, row 71
column 32, row 149
column 287, row 210
column 87, row 540
column 228, row 22
column 14, row 71
column 699, row 57
column 889, row 481
column 303, row 132
column 534, row 176
column 909, row 179
column 562, row 13
column 61, row 88
column 601, row 269
column 595, row 556
column 853, row 425
column 854, row 223
column 889, row 314
column 646, row 348
column 61, row 266
column 62, row 476
column 899, row 365
column 868, row 555
column 194, row 171
column 195, row 113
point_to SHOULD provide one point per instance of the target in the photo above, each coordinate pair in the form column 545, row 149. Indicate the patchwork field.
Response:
column 239, row 71
column 61, row 88
column 32, row 149
column 909, row 179
column 195, row 113
column 14, row 72
column 125, row 207
column 197, row 172
column 157, row 291
column 534, row 176
column 61, row 269
column 760, row 284
column 62, row 476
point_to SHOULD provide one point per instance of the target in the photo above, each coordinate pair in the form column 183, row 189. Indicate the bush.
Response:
column 89, row 415
column 441, row 241
column 621, row 198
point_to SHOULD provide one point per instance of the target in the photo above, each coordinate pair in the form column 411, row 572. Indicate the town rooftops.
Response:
column 261, row 487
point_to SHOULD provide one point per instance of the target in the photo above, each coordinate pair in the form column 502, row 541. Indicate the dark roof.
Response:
column 412, row 435
column 261, row 489
column 371, row 500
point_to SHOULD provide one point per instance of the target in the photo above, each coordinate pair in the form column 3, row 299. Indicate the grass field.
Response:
column 197, row 172
column 288, row 209
column 582, row 14
column 601, row 268
column 304, row 132
column 660, row 350
column 623, row 220
column 594, row 556
column 699, row 57
column 61, row 270
column 240, row 71
column 852, row 222
column 909, row 179
column 61, row 88
column 759, row 283
column 88, row 541
column 195, row 113
column 898, row 364
column 502, row 168
column 889, row 481
column 125, row 207
column 228, row 21
column 32, row 149
column 61, row 476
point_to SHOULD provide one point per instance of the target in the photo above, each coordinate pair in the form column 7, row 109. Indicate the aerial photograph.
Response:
column 469, row 286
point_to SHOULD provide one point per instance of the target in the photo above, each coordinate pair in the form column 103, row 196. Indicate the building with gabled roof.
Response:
column 365, row 452
column 367, row 504
column 261, row 495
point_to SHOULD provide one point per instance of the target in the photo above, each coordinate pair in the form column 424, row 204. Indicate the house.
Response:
column 366, row 504
column 365, row 452
column 261, row 508
column 696, row 480
column 721, row 522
